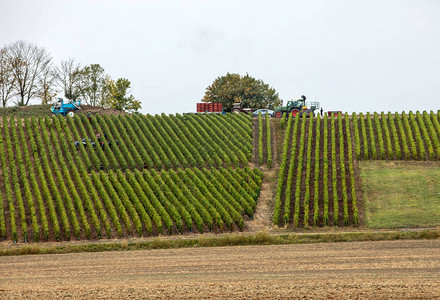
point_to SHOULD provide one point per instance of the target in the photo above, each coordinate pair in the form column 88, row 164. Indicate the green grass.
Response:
column 26, row 111
column 401, row 194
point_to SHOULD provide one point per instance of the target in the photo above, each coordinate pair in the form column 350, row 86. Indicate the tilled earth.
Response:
column 380, row 270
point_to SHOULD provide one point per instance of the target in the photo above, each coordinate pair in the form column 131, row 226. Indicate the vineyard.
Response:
column 144, row 175
column 264, row 137
column 397, row 136
column 134, row 175
column 317, row 182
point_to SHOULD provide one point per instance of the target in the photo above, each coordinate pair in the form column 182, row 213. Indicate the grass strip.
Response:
column 233, row 239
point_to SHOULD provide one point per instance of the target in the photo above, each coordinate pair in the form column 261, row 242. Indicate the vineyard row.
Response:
column 138, row 141
column 48, row 192
column 264, row 136
column 412, row 136
column 316, row 183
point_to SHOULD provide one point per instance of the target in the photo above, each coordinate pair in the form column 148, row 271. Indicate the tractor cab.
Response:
column 60, row 107
column 57, row 104
column 297, row 107
column 301, row 103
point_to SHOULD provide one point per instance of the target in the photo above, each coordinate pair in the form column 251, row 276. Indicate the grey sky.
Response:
column 349, row 55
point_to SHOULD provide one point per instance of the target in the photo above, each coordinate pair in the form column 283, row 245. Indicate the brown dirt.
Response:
column 330, row 174
column 273, row 138
column 264, row 142
column 321, row 175
column 361, row 270
column 99, row 110
column 277, row 141
column 302, row 178
column 262, row 219
column 255, row 142
column 264, row 211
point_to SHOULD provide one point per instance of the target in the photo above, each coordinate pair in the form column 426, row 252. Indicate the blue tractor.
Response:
column 59, row 107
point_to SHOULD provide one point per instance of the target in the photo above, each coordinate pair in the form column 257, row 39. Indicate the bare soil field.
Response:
column 380, row 270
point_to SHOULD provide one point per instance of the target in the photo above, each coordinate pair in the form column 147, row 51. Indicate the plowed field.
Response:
column 381, row 270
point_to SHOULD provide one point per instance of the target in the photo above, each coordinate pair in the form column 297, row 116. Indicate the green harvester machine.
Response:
column 297, row 108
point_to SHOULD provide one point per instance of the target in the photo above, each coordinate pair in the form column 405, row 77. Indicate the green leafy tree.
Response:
column 251, row 92
column 116, row 95
column 92, row 85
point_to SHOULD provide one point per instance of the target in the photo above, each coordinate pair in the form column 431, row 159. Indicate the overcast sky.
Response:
column 349, row 55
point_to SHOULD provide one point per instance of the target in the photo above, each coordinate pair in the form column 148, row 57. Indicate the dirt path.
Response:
column 381, row 270
column 263, row 212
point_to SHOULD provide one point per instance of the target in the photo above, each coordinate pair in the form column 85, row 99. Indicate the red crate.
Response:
column 209, row 107
column 201, row 107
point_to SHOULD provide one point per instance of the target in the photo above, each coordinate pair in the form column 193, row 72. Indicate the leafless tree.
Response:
column 28, row 62
column 68, row 77
column 46, row 85
column 6, row 79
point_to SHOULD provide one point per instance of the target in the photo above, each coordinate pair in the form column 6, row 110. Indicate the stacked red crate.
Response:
column 209, row 107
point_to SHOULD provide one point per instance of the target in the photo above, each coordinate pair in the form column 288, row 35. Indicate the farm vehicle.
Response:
column 239, row 107
column 218, row 108
column 69, row 108
column 335, row 112
column 297, row 108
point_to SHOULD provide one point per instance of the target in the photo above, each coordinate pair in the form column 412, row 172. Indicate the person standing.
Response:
column 321, row 111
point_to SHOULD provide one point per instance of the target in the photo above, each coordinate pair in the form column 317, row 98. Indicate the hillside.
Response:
column 319, row 179
column 145, row 175
column 127, row 175
column 26, row 111
column 44, row 110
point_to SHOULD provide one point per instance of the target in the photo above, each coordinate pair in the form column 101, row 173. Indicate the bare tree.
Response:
column 6, row 78
column 68, row 77
column 46, row 85
column 28, row 63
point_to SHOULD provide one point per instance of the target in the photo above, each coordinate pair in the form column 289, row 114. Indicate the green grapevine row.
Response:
column 408, row 136
column 317, row 174
column 52, row 191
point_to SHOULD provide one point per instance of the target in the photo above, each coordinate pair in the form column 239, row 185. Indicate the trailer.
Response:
column 206, row 108
column 336, row 112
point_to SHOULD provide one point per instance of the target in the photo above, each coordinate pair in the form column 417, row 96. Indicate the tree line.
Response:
column 27, row 73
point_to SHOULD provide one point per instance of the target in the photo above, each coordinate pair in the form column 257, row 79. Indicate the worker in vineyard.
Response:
column 89, row 116
column 321, row 111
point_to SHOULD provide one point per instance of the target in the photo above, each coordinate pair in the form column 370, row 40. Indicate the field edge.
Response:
column 229, row 239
